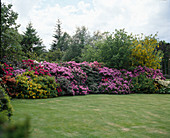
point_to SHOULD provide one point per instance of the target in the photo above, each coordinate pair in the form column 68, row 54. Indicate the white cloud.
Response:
column 137, row 16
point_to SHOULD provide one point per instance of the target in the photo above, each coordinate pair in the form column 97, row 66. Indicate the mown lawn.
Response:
column 95, row 116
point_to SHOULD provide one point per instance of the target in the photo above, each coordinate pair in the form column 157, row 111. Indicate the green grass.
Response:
column 95, row 116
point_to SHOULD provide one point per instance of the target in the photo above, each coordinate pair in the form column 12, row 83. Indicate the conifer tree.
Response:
column 61, row 39
column 31, row 42
column 57, row 36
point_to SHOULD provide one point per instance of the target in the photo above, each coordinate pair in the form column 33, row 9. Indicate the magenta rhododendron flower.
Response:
column 10, row 74
column 6, row 64
column 36, row 73
column 11, row 68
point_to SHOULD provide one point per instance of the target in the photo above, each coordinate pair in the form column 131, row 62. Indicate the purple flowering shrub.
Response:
column 115, row 82
column 19, row 71
column 90, row 77
column 74, row 75
column 83, row 78
column 149, row 72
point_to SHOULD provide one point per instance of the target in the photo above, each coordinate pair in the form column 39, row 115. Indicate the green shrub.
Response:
column 65, row 86
column 7, row 129
column 164, row 90
column 143, row 84
column 30, row 85
column 93, row 79
column 5, row 106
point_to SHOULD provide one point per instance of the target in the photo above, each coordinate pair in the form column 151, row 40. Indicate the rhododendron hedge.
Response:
column 85, row 78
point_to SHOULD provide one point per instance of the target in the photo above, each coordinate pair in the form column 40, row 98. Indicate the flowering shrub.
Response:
column 73, row 73
column 163, row 85
column 33, row 86
column 5, row 69
column 32, row 65
column 93, row 76
column 115, row 82
column 65, row 86
column 19, row 71
column 9, row 83
column 76, row 79
column 149, row 72
column 27, row 64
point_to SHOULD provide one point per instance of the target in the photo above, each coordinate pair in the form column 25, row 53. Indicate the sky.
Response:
column 136, row 16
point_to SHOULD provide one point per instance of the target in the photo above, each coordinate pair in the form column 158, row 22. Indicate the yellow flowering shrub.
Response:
column 32, row 86
column 144, row 52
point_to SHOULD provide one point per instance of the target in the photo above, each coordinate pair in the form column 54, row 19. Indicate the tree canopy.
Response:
column 10, row 38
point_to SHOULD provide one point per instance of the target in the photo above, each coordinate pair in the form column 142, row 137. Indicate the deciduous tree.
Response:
column 10, row 38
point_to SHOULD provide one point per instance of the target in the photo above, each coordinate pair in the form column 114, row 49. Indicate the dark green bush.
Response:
column 93, row 79
column 7, row 129
column 65, row 86
column 143, row 84
column 164, row 90
column 5, row 106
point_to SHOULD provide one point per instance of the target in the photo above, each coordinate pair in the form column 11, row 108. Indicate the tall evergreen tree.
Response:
column 61, row 39
column 57, row 36
column 31, row 42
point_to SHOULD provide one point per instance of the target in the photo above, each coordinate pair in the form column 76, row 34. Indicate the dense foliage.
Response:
column 113, row 50
column 10, row 38
column 165, row 48
column 6, row 110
